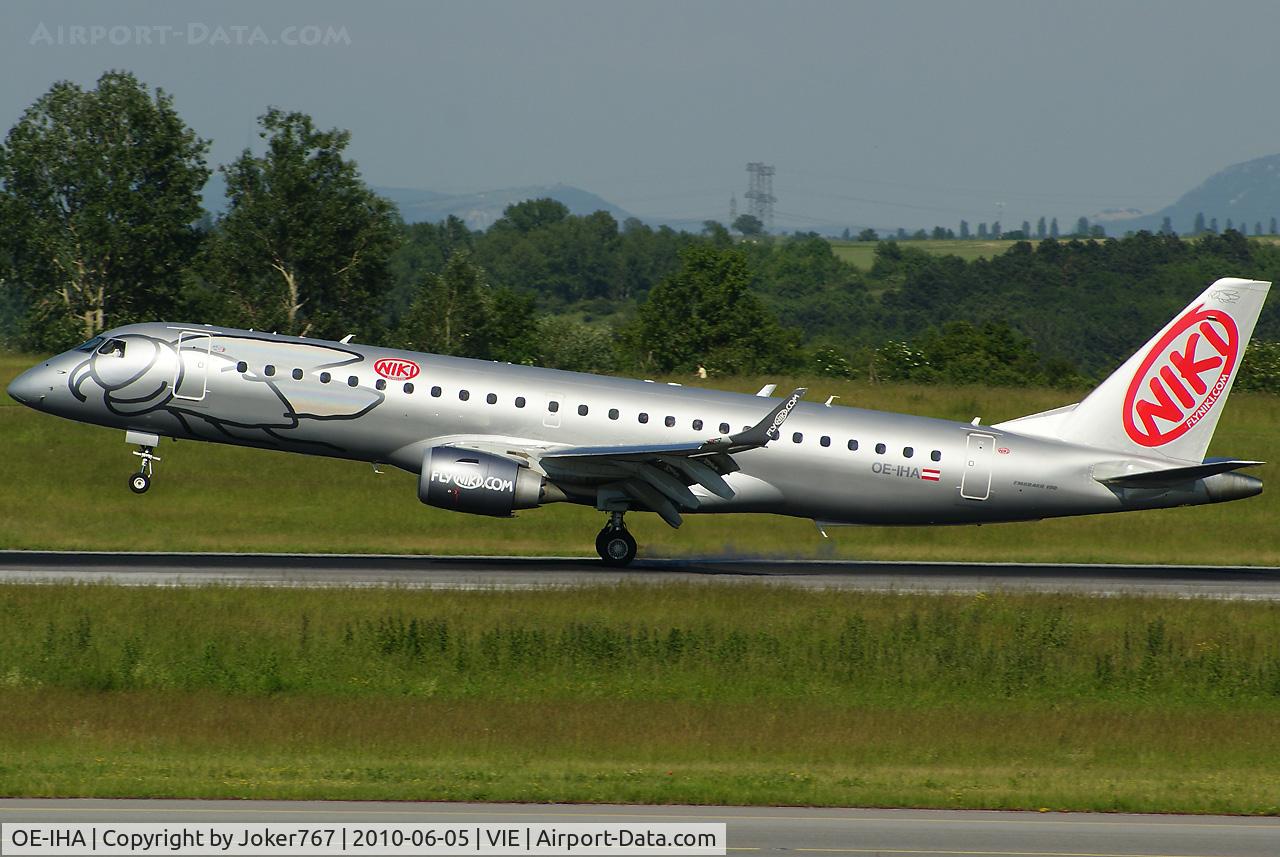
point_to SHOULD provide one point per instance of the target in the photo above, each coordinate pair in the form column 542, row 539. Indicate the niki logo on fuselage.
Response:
column 1182, row 377
column 394, row 369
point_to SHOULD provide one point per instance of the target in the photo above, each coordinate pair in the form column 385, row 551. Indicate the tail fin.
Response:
column 1166, row 398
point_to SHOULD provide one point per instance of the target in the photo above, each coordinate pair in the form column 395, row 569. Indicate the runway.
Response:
column 754, row 829
column 446, row 572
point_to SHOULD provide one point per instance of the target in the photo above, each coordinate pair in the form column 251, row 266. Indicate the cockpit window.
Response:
column 90, row 345
column 112, row 348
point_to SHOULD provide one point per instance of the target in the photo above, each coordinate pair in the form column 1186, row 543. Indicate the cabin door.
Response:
column 192, row 381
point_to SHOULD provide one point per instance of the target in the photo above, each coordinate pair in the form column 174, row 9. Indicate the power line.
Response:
column 760, row 198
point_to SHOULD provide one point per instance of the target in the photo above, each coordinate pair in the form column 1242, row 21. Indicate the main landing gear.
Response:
column 141, row 481
column 614, row 544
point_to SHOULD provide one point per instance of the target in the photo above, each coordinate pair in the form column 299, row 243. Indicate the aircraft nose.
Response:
column 28, row 388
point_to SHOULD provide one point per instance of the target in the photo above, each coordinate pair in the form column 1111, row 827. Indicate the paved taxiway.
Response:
column 755, row 829
column 170, row 569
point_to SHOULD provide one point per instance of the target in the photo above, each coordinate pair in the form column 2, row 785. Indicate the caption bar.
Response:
column 316, row 840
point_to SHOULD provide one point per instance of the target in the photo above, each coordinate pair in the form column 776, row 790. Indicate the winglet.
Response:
column 767, row 429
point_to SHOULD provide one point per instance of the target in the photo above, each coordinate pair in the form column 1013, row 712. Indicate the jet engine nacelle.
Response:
column 481, row 483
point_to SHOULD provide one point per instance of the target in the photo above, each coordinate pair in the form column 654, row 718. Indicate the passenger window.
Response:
column 697, row 425
column 381, row 383
column 908, row 451
column 352, row 381
column 519, row 401
column 670, row 421
column 613, row 413
column 936, row 455
column 325, row 377
column 880, row 448
column 436, row 392
column 553, row 407
column 408, row 387
column 796, row 437
column 463, row 395
column 268, row 370
column 853, row 446
column 644, row 418
column 582, row 410
column 492, row 398
column 824, row 440
column 242, row 367
column 297, row 376
column 724, row 428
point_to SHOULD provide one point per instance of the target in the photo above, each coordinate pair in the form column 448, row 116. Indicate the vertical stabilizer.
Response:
column 1166, row 399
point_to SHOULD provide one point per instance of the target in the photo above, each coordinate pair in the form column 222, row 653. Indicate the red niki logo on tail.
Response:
column 396, row 370
column 1183, row 376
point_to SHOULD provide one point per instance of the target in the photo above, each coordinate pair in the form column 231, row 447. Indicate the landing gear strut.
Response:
column 614, row 544
column 141, row 481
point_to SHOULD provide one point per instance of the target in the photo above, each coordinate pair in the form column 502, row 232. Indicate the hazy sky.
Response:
column 879, row 113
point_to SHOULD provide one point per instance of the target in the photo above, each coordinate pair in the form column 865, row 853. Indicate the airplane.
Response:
column 492, row 438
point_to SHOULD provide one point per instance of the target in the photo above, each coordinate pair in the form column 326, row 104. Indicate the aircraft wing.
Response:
column 658, row 476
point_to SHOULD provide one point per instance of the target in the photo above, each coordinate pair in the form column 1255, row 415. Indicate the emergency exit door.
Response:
column 979, row 454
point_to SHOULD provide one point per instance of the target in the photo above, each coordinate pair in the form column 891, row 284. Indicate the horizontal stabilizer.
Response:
column 1172, row 477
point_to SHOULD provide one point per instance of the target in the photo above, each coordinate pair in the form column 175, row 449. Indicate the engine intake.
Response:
column 481, row 483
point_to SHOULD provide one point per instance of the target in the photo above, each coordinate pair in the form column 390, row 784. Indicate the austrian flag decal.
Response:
column 396, row 370
column 930, row 473
column 1183, row 376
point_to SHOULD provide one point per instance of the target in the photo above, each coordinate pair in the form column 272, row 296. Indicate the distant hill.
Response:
column 480, row 210
column 1247, row 193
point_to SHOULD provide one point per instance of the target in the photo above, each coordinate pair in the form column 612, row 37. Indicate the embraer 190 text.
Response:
column 491, row 438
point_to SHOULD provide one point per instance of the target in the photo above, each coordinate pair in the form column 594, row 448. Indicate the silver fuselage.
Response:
column 904, row 470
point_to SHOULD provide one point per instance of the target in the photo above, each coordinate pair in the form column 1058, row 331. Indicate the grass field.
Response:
column 861, row 254
column 62, row 486
column 697, row 694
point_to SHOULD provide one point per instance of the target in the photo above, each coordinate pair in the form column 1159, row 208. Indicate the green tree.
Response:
column 457, row 312
column 868, row 234
column 305, row 246
column 1082, row 228
column 748, row 225
column 566, row 343
column 964, row 230
column 715, row 230
column 706, row 313
column 534, row 214
column 1053, row 228
column 1199, row 228
column 1042, row 231
column 449, row 312
column 99, row 194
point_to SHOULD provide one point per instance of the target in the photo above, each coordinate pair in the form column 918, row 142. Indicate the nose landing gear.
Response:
column 614, row 544
column 141, row 481
column 146, row 442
